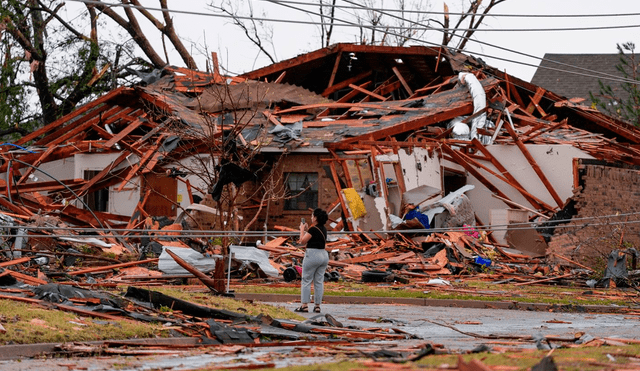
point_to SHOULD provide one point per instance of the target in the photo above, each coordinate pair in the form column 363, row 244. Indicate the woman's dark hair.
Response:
column 321, row 216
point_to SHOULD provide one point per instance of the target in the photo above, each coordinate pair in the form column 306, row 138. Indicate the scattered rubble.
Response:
column 432, row 165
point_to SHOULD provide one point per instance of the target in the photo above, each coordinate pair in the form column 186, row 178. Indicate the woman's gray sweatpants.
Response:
column 314, row 265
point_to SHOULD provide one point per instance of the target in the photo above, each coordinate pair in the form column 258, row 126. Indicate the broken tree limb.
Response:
column 472, row 334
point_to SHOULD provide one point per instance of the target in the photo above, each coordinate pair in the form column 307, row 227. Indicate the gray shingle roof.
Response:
column 573, row 85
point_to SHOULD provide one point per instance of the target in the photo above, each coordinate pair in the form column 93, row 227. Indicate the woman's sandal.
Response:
column 316, row 309
column 302, row 308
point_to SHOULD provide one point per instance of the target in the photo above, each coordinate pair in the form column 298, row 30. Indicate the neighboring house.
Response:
column 366, row 132
column 577, row 75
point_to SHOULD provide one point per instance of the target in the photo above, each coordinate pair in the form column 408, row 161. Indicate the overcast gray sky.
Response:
column 210, row 34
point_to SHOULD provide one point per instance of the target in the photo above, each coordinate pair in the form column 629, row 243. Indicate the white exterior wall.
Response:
column 194, row 180
column 121, row 203
column 555, row 161
column 420, row 168
column 60, row 169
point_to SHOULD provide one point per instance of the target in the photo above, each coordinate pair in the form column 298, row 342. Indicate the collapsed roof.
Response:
column 337, row 98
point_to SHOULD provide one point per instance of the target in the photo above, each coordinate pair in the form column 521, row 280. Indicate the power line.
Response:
column 616, row 78
column 351, row 24
column 97, row 2
column 414, row 11
column 154, row 233
column 480, row 54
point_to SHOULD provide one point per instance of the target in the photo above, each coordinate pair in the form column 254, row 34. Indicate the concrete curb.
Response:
column 17, row 351
column 279, row 298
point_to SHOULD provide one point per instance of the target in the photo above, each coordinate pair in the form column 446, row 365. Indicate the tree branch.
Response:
column 133, row 28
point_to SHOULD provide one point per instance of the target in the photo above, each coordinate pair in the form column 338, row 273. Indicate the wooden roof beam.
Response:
column 61, row 121
column 343, row 84
column 539, row 204
column 463, row 108
column 66, row 133
column 402, row 80
column 458, row 159
column 367, row 92
column 535, row 166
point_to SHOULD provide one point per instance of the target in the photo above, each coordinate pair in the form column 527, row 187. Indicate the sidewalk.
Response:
column 478, row 304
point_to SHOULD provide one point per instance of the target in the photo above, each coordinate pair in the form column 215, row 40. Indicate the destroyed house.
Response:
column 382, row 137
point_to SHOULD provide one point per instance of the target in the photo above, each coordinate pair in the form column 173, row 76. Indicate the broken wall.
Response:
column 420, row 167
column 555, row 161
column 605, row 190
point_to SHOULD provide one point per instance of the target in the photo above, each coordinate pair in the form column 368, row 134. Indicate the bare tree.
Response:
column 473, row 18
column 406, row 22
column 243, row 16
column 217, row 146
column 61, row 63
column 327, row 16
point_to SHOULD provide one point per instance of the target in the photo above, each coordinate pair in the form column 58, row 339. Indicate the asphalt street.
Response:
column 457, row 329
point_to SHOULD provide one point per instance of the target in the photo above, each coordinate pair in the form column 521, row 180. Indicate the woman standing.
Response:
column 315, row 261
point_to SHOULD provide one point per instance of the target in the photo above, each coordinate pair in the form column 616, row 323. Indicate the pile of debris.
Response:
column 431, row 165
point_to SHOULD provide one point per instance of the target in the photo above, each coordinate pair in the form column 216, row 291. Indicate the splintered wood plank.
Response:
column 15, row 208
column 14, row 262
column 535, row 166
column 370, row 257
column 142, row 162
column 472, row 169
column 535, row 100
column 544, row 280
column 545, row 130
column 66, row 133
column 402, row 80
column 65, row 119
column 124, row 132
column 281, row 77
column 138, row 211
column 26, row 278
column 113, row 266
column 271, row 118
column 367, row 92
column 31, row 169
column 345, row 83
column 336, row 182
column 276, row 242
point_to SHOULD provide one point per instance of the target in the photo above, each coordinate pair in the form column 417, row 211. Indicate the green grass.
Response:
column 467, row 290
column 27, row 324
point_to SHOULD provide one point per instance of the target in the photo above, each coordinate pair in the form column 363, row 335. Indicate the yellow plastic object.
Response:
column 356, row 206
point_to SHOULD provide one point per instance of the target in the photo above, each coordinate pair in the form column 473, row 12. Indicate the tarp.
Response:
column 167, row 265
column 251, row 254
